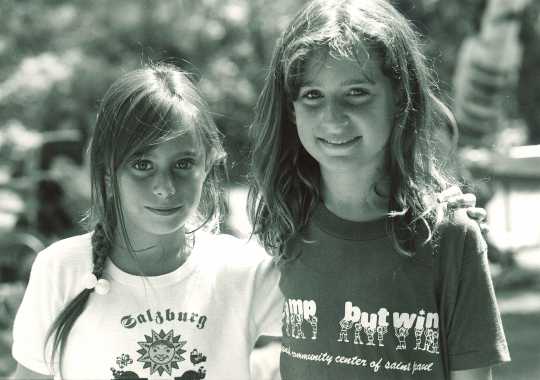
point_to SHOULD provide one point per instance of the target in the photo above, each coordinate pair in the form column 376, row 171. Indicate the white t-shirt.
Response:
column 199, row 321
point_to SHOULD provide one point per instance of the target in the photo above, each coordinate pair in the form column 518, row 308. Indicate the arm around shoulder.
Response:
column 23, row 373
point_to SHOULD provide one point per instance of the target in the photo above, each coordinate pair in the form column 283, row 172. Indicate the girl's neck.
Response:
column 355, row 196
column 151, row 257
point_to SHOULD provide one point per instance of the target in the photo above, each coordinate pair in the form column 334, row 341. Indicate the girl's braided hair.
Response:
column 101, row 247
column 59, row 330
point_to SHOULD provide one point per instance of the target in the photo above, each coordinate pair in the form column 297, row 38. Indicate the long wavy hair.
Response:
column 285, row 179
column 141, row 109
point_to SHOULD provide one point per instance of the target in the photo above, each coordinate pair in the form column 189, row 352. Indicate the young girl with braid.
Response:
column 148, row 293
column 378, row 283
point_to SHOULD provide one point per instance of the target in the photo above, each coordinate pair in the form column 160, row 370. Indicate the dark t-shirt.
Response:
column 356, row 309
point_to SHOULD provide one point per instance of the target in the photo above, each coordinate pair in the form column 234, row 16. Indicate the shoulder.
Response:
column 229, row 246
column 66, row 253
column 459, row 233
column 59, row 268
column 230, row 251
column 457, row 222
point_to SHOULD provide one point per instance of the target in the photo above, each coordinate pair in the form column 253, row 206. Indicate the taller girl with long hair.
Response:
column 152, row 291
column 378, row 282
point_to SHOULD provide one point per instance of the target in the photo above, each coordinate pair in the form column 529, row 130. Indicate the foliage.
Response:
column 64, row 54
column 59, row 56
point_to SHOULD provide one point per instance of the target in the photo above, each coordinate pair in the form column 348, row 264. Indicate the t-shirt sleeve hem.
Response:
column 478, row 359
column 32, row 364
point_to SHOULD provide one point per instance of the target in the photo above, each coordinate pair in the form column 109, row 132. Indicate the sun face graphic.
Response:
column 161, row 352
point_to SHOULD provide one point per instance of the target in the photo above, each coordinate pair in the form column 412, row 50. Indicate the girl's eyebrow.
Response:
column 139, row 154
column 150, row 153
column 192, row 153
column 362, row 80
column 348, row 82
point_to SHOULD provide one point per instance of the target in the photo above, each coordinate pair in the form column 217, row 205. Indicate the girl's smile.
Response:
column 336, row 143
column 164, row 211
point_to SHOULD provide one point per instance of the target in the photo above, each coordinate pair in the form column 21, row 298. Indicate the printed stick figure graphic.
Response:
column 429, row 340
column 298, row 319
column 286, row 320
column 435, row 342
column 345, row 326
column 292, row 319
column 381, row 331
column 370, row 331
column 289, row 325
column 314, row 321
column 401, row 334
column 418, row 336
column 357, row 330
column 432, row 341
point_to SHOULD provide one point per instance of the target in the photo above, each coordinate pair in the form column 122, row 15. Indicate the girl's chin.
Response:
column 160, row 229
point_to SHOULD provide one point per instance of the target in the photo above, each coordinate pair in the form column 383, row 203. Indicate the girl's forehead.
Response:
column 181, row 140
column 177, row 123
column 365, row 67
column 182, row 137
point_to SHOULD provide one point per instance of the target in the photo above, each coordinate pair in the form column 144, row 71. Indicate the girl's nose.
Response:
column 333, row 114
column 163, row 186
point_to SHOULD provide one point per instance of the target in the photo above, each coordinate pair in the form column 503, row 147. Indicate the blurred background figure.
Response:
column 487, row 74
column 486, row 106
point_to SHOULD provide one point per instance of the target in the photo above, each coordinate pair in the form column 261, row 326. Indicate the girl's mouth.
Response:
column 338, row 143
column 163, row 211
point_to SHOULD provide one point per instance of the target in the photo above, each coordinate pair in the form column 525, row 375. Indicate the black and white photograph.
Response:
column 269, row 189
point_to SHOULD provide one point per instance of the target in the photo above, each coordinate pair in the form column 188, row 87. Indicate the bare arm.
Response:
column 23, row 373
column 472, row 374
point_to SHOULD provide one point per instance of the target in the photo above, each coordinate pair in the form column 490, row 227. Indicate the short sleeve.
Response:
column 475, row 334
column 34, row 317
column 267, row 302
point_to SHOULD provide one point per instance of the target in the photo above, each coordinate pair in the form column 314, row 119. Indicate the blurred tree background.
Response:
column 59, row 56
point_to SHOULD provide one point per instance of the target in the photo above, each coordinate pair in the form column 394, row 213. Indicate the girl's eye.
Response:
column 142, row 165
column 311, row 94
column 185, row 164
column 357, row 96
column 357, row 92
